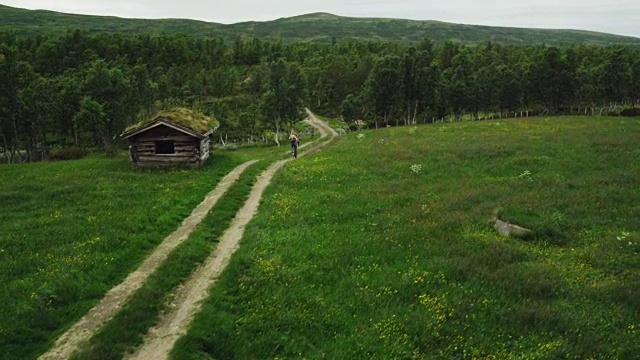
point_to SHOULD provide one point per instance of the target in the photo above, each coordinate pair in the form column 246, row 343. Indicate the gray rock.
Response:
column 506, row 229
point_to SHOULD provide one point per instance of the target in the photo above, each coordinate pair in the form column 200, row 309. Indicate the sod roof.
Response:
column 195, row 121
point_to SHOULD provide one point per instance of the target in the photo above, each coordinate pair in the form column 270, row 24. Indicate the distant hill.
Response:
column 310, row 27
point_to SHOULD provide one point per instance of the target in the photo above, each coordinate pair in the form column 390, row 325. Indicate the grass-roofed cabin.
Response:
column 173, row 137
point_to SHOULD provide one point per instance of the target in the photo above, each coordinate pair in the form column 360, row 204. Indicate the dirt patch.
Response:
column 95, row 318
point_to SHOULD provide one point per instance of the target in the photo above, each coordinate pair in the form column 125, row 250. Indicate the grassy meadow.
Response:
column 72, row 230
column 381, row 246
column 127, row 329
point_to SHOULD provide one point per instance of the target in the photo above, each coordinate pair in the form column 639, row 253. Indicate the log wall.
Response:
column 188, row 150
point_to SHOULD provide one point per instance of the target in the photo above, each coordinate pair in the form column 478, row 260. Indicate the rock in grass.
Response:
column 506, row 229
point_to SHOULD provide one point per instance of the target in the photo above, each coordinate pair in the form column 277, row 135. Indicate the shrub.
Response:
column 71, row 153
column 631, row 112
column 229, row 147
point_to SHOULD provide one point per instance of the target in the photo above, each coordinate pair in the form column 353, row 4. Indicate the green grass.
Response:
column 128, row 327
column 141, row 312
column 380, row 246
column 72, row 230
column 335, row 123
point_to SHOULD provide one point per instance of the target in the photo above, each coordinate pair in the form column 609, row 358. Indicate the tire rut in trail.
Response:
column 188, row 299
column 94, row 319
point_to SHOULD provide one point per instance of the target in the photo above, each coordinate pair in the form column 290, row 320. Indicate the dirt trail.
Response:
column 323, row 128
column 93, row 320
column 188, row 299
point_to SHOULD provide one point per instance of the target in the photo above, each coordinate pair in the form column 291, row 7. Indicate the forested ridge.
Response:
column 316, row 27
column 61, row 95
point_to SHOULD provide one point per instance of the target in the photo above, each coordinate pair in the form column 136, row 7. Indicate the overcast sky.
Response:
column 611, row 16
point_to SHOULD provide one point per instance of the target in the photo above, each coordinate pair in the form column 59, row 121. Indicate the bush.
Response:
column 631, row 112
column 71, row 153
column 229, row 147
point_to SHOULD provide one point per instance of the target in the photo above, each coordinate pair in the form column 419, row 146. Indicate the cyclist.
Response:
column 293, row 138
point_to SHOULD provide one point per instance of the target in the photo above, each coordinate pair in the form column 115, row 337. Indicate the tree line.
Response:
column 61, row 95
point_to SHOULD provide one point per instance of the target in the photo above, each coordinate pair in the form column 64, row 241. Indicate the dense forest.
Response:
column 62, row 95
